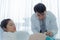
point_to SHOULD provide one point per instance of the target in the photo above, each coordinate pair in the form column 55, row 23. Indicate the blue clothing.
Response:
column 49, row 38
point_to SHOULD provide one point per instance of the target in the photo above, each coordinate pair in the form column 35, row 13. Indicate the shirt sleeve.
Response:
column 53, row 24
column 34, row 25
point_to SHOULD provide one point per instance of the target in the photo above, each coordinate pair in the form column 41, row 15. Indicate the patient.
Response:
column 10, row 33
column 8, row 25
column 9, row 29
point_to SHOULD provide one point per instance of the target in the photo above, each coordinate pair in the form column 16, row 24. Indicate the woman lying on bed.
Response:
column 9, row 29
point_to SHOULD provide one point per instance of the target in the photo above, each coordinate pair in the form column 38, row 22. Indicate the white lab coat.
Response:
column 51, row 24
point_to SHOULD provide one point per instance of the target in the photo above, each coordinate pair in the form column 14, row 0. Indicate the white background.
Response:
column 20, row 12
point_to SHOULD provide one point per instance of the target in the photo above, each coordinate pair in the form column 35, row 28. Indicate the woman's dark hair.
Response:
column 39, row 8
column 4, row 23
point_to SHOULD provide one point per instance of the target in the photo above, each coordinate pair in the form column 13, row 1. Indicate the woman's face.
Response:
column 11, row 26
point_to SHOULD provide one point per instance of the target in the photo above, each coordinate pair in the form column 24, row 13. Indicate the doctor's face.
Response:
column 41, row 16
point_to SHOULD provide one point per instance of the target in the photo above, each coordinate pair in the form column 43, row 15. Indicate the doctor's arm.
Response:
column 54, row 27
column 34, row 25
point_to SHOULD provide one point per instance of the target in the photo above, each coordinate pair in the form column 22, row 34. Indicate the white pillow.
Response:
column 1, row 31
column 21, row 35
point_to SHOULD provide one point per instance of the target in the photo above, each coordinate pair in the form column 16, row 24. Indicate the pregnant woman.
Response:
column 9, row 29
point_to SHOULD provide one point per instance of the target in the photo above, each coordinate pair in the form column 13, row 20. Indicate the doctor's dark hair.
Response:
column 4, row 23
column 39, row 8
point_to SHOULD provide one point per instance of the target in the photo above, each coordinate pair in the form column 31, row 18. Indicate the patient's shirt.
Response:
column 8, row 36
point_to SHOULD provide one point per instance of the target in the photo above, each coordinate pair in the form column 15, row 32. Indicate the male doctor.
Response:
column 43, row 21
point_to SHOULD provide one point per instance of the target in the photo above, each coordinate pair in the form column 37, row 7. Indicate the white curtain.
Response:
column 20, row 12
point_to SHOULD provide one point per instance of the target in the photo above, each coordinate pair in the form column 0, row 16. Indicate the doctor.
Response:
column 43, row 21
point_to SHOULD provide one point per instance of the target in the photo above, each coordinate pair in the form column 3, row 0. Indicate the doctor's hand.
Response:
column 49, row 34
